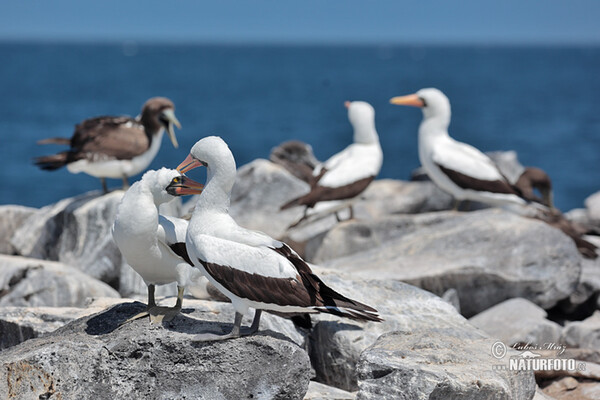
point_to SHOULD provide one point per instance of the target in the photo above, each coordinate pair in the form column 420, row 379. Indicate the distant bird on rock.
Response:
column 457, row 168
column 349, row 172
column 251, row 268
column 154, row 244
column 115, row 147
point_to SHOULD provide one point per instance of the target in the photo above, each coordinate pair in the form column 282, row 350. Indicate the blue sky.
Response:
column 308, row 21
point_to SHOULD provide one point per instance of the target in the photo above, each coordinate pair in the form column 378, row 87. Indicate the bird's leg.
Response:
column 255, row 323
column 337, row 217
column 351, row 208
column 125, row 182
column 104, row 187
column 235, row 331
column 179, row 303
column 159, row 314
column 151, row 299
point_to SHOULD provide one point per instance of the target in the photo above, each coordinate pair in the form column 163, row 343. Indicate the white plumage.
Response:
column 457, row 168
column 251, row 268
column 147, row 239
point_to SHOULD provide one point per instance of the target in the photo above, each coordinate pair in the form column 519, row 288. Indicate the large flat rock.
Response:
column 488, row 256
column 97, row 357
column 447, row 362
column 29, row 282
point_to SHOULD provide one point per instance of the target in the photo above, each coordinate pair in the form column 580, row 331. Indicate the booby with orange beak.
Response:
column 251, row 268
column 115, row 147
column 154, row 244
column 457, row 168
column 349, row 172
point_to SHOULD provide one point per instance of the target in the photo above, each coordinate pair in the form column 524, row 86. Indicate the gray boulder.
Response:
column 28, row 282
column 448, row 362
column 518, row 321
column 337, row 344
column 11, row 218
column 318, row 391
column 488, row 256
column 97, row 357
column 584, row 334
column 74, row 231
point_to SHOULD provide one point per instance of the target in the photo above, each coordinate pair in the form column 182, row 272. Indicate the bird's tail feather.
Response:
column 338, row 304
column 50, row 163
column 56, row 140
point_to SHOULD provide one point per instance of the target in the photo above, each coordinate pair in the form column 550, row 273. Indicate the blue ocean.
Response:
column 543, row 102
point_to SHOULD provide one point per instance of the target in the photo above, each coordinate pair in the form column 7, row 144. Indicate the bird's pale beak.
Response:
column 188, row 164
column 347, row 104
column 410, row 100
column 169, row 116
column 182, row 185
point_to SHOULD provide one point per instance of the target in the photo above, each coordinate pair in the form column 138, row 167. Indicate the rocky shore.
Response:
column 466, row 298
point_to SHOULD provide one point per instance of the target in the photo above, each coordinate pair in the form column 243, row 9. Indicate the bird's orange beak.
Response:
column 410, row 100
column 188, row 164
column 182, row 185
column 347, row 104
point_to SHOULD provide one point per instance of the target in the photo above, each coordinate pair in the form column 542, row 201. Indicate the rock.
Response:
column 584, row 334
column 337, row 344
column 18, row 324
column 587, row 293
column 318, row 391
column 447, row 362
column 488, row 256
column 97, row 357
column 75, row 231
column 518, row 321
column 540, row 395
column 569, row 388
column 11, row 217
column 28, row 282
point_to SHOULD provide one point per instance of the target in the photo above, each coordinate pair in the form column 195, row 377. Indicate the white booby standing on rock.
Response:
column 153, row 244
column 249, row 267
column 115, row 147
column 349, row 172
column 457, row 168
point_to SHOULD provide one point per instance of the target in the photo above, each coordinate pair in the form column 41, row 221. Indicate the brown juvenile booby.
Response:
column 115, row 147
column 349, row 172
column 251, row 268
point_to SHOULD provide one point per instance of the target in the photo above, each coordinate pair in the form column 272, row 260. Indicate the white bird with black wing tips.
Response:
column 154, row 244
column 115, row 147
column 457, row 168
column 251, row 268
column 349, row 172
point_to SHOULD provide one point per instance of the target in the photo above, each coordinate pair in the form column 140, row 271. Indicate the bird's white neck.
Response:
column 434, row 125
column 138, row 205
column 216, row 195
column 365, row 132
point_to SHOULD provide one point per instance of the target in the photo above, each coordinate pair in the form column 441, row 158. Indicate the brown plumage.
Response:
column 107, row 138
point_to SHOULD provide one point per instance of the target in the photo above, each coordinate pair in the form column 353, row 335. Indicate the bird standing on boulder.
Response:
column 154, row 244
column 457, row 168
column 251, row 268
column 115, row 147
column 349, row 172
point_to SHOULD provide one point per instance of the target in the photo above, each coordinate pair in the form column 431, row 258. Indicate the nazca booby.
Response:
column 349, row 172
column 154, row 244
column 251, row 268
column 457, row 168
column 115, row 147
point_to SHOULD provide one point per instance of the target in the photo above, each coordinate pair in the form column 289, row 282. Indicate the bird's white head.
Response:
column 213, row 153
column 432, row 101
column 164, row 184
column 362, row 117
